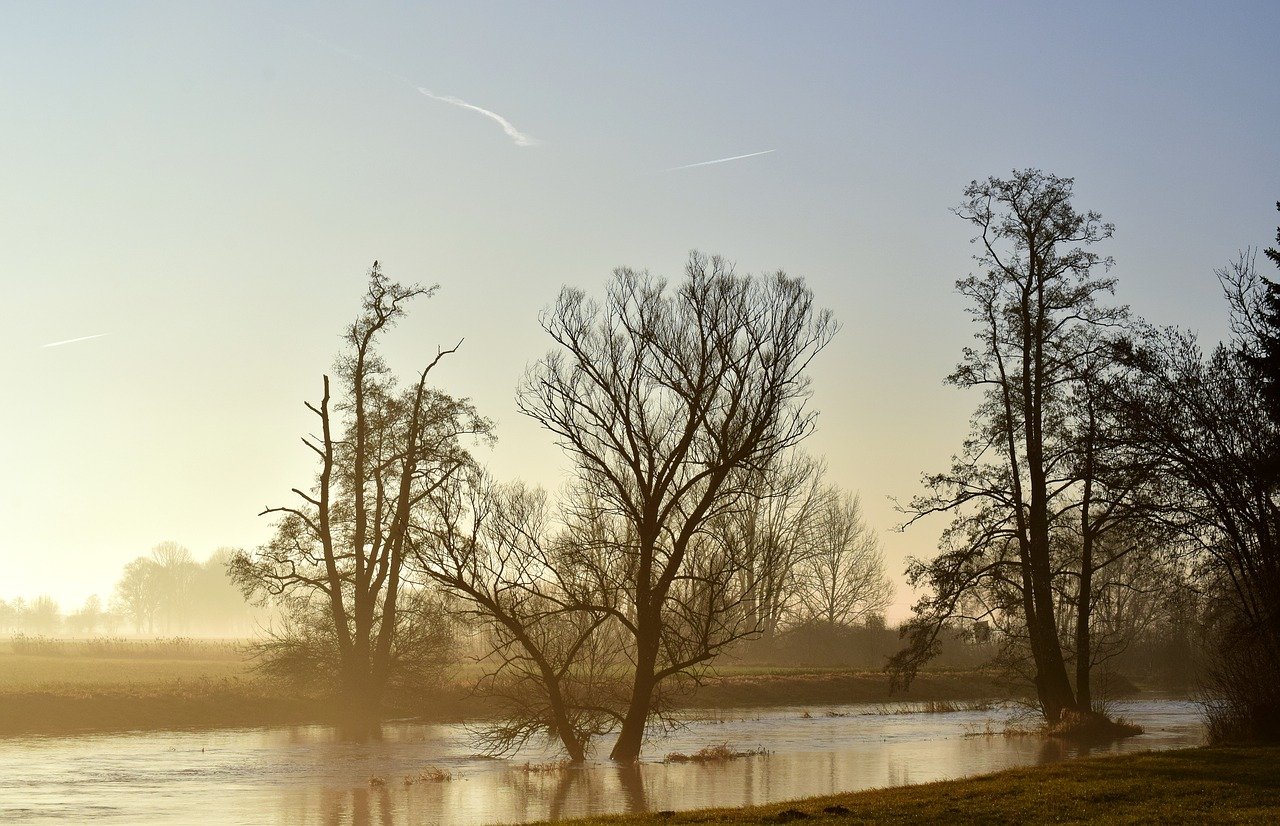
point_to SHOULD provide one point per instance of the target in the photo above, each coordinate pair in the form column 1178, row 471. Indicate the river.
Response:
column 313, row 774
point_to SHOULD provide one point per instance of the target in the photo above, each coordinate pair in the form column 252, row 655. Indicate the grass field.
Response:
column 1224, row 785
column 58, row 686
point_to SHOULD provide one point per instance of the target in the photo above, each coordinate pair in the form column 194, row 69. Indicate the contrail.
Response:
column 73, row 340
column 720, row 160
column 517, row 137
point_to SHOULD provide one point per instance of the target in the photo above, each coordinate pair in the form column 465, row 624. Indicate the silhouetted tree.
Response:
column 842, row 582
column 9, row 614
column 551, row 664
column 1035, row 306
column 338, row 556
column 172, row 575
column 1204, row 420
column 137, row 594
column 42, row 615
column 775, row 530
column 1258, row 328
column 669, row 402
column 88, row 618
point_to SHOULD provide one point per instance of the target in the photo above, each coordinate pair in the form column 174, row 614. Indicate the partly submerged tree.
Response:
column 337, row 558
column 669, row 402
column 551, row 663
column 1036, row 309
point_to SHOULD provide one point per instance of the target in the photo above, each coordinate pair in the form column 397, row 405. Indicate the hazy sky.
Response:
column 203, row 187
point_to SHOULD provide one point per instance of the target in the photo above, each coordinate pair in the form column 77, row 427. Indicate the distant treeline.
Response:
column 166, row 592
column 1160, row 652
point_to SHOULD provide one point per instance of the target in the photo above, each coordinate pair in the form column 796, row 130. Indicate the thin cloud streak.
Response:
column 720, row 160
column 73, row 340
column 517, row 137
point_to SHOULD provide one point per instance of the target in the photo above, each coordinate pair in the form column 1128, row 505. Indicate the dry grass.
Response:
column 712, row 754
column 431, row 774
column 1086, row 728
column 549, row 767
column 1187, row 786
column 123, row 648
column 937, row 707
column 1008, row 731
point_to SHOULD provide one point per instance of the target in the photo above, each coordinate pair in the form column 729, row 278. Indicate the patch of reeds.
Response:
column 713, row 754
column 1007, row 731
column 935, row 707
column 431, row 774
column 545, row 768
column 121, row 648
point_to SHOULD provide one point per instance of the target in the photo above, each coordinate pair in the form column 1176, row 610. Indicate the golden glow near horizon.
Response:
column 194, row 194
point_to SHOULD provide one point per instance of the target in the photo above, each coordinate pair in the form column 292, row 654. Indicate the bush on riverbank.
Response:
column 1092, row 727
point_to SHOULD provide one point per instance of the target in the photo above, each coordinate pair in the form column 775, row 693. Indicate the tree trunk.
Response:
column 1084, row 654
column 631, row 737
column 1084, row 600
column 1051, row 667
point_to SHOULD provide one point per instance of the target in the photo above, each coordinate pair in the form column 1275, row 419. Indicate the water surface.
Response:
column 313, row 774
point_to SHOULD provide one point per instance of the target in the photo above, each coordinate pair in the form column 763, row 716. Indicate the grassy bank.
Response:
column 55, row 686
column 1240, row 785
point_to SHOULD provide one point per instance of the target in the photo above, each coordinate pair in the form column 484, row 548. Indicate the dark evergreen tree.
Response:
column 1264, row 357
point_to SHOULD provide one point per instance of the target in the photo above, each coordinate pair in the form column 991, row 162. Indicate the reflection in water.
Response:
column 319, row 774
column 632, row 781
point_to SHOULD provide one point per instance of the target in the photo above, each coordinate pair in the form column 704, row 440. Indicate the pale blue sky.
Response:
column 207, row 184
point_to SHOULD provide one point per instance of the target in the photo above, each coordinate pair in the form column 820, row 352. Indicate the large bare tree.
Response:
column 669, row 400
column 1035, row 306
column 338, row 554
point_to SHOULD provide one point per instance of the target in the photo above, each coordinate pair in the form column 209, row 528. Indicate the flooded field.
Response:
column 310, row 774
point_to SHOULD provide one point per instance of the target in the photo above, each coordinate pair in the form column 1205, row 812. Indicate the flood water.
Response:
column 311, row 774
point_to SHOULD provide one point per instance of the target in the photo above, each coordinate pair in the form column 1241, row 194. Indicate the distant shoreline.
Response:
column 118, row 701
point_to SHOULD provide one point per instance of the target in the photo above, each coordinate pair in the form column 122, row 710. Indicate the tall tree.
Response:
column 1205, row 422
column 339, row 553
column 668, row 401
column 1033, row 305
column 1257, row 326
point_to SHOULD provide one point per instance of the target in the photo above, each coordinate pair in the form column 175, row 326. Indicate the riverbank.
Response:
column 1204, row 785
column 214, row 686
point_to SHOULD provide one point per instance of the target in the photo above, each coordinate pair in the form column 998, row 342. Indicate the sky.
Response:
column 203, row 186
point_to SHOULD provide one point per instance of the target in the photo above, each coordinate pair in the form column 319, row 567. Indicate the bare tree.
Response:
column 88, row 618
column 1205, row 421
column 843, row 580
column 174, row 573
column 137, row 594
column 669, row 402
column 338, row 555
column 1034, row 306
column 775, row 531
column 551, row 667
